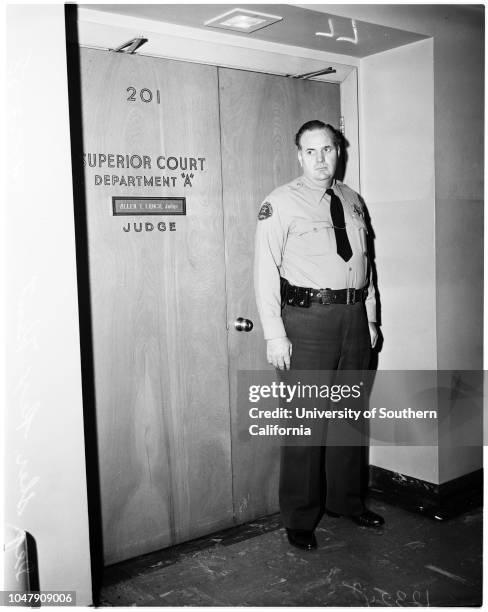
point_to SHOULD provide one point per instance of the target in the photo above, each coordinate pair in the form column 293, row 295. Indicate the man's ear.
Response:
column 300, row 161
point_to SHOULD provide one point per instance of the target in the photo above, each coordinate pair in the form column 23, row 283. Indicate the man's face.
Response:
column 318, row 156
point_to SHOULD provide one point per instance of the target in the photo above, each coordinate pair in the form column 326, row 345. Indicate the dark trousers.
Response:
column 312, row 478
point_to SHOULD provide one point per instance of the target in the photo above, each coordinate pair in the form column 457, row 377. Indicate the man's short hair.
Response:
column 315, row 124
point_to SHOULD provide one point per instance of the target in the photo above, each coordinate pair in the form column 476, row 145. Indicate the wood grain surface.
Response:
column 158, row 308
column 260, row 115
column 175, row 462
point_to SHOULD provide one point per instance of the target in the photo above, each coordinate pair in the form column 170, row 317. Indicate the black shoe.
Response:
column 301, row 538
column 366, row 519
column 369, row 519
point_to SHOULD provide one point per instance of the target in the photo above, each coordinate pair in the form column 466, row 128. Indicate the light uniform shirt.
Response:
column 295, row 239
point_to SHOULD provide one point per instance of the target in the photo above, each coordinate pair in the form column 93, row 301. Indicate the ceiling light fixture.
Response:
column 242, row 20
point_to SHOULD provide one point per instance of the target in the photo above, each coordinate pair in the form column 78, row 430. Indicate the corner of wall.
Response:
column 45, row 454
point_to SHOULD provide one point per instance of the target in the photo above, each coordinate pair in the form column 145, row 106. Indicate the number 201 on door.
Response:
column 145, row 95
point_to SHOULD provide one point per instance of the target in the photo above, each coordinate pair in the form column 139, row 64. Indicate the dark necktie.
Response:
column 339, row 223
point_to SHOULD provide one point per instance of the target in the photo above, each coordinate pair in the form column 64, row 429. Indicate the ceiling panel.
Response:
column 298, row 27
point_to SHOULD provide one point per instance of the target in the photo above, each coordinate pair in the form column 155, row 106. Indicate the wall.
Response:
column 458, row 53
column 459, row 212
column 45, row 456
column 397, row 183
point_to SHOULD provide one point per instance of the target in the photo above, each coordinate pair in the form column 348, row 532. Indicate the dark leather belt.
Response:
column 304, row 296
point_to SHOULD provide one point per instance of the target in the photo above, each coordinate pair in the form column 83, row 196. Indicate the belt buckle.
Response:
column 350, row 295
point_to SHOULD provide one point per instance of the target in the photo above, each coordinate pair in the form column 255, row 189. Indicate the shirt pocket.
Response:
column 315, row 237
column 360, row 229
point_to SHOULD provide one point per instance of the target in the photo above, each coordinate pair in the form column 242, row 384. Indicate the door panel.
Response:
column 260, row 115
column 162, row 352
column 158, row 303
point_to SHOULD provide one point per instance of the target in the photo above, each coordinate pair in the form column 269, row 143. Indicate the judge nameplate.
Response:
column 148, row 206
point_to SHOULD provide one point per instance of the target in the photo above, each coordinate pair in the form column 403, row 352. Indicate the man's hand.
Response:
column 278, row 353
column 373, row 333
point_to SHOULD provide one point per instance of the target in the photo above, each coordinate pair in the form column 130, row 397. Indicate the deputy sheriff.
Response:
column 317, row 307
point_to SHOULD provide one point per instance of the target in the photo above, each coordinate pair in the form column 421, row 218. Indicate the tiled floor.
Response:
column 412, row 561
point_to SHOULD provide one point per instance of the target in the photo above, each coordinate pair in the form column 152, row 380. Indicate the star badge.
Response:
column 357, row 210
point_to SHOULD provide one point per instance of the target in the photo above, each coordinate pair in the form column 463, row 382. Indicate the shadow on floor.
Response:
column 412, row 561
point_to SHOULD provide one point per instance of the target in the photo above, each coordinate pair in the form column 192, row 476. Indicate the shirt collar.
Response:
column 310, row 185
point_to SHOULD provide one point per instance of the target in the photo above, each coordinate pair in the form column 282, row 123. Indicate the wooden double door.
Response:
column 177, row 160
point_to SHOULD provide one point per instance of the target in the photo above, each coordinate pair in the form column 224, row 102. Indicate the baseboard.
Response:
column 440, row 502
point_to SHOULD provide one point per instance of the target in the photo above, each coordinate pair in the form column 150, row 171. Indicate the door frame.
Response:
column 107, row 30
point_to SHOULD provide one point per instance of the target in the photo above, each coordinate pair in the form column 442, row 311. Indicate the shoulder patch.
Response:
column 265, row 211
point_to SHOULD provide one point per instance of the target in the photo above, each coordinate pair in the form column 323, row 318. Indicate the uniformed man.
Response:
column 317, row 307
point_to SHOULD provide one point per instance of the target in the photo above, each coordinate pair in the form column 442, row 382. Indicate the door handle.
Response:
column 242, row 324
